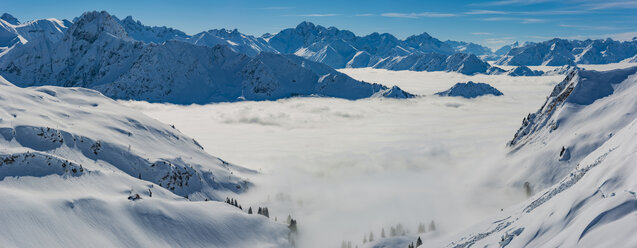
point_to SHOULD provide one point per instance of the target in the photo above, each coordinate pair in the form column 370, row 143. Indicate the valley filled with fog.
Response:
column 344, row 168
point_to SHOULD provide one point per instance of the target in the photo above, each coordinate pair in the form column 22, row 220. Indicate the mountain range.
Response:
column 97, row 52
column 558, row 52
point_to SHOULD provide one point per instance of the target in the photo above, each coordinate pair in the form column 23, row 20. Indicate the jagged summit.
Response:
column 305, row 25
column 10, row 19
column 91, row 25
column 148, row 34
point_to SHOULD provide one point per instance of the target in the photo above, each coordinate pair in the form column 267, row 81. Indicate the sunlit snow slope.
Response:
column 593, row 201
column 70, row 158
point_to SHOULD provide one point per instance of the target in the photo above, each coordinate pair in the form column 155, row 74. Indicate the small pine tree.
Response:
column 400, row 230
column 421, row 228
column 382, row 233
column 371, row 236
column 140, row 176
column 392, row 232
column 418, row 242
column 292, row 226
column 432, row 226
column 260, row 211
column 250, row 210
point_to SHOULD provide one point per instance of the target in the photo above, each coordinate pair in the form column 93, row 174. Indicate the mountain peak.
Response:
column 10, row 19
column 129, row 19
column 92, row 24
column 305, row 25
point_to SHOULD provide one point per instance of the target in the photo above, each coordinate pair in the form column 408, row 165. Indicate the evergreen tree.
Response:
column 250, row 210
column 343, row 245
column 140, row 176
column 432, row 226
column 400, row 230
column 260, row 211
column 288, row 219
column 371, row 236
column 418, row 242
column 421, row 228
column 382, row 233
column 292, row 226
column 364, row 238
column 392, row 232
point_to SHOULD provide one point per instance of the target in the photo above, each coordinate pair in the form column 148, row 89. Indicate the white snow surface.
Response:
column 14, row 32
column 594, row 203
column 70, row 158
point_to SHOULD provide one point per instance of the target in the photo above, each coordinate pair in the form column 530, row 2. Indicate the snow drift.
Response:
column 70, row 160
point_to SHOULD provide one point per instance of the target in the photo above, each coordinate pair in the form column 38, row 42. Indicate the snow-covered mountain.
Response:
column 140, row 32
column 79, row 169
column 470, row 90
column 558, row 52
column 525, row 71
column 467, row 64
column 13, row 32
column 469, row 47
column 343, row 49
column 96, row 52
column 506, row 48
column 238, row 42
column 581, row 144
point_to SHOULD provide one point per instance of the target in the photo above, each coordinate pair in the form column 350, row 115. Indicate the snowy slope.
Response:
column 553, row 140
column 70, row 158
column 13, row 32
column 97, row 53
column 593, row 206
column 558, row 52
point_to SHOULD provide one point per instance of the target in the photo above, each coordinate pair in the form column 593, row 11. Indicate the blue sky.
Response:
column 491, row 23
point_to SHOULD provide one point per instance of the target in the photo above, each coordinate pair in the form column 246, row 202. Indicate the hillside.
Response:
column 95, row 170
